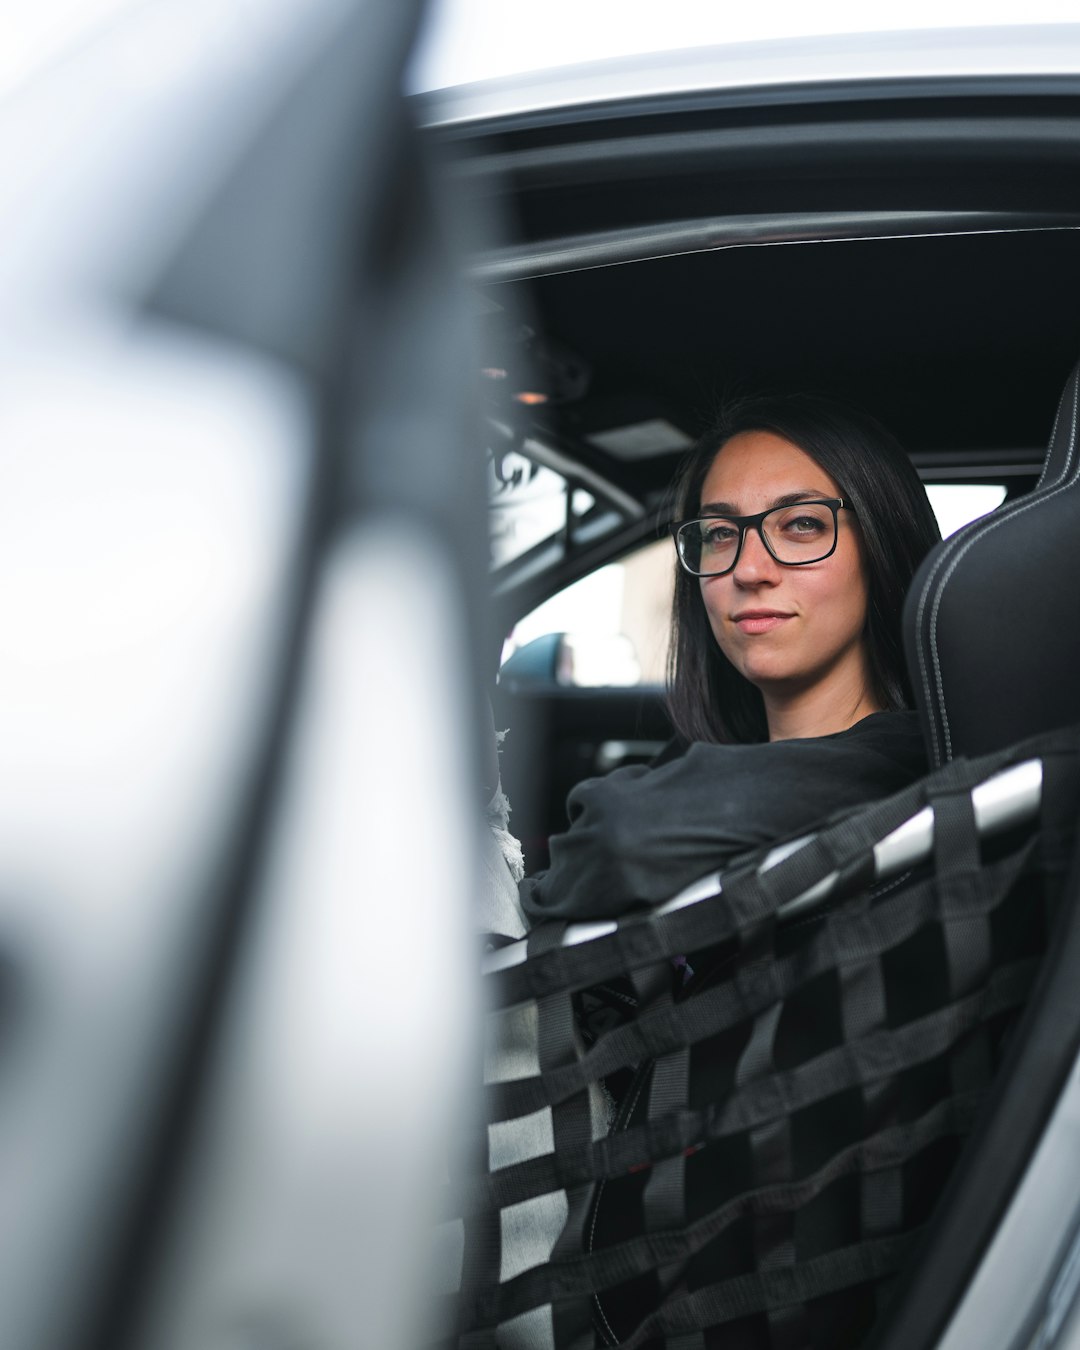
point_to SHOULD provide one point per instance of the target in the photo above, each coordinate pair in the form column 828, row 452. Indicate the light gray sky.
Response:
column 477, row 39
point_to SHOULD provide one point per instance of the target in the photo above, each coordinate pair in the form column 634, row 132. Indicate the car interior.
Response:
column 912, row 252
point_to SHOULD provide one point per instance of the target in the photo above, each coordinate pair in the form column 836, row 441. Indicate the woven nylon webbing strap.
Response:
column 795, row 1109
column 572, row 1133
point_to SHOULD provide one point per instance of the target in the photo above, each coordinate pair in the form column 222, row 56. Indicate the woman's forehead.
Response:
column 754, row 468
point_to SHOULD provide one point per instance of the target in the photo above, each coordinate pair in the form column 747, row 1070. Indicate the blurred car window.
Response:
column 528, row 505
column 615, row 621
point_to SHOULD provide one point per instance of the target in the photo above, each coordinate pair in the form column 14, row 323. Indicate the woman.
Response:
column 801, row 525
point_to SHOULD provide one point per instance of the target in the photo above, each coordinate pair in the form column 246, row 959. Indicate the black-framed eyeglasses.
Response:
column 804, row 532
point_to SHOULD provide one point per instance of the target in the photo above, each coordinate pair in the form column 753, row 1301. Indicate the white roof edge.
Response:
column 1034, row 50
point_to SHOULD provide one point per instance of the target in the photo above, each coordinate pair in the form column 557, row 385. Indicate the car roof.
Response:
column 800, row 67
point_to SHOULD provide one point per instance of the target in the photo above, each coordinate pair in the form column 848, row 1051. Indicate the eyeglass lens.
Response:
column 803, row 533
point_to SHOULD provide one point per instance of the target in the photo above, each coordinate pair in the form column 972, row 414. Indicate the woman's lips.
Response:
column 759, row 621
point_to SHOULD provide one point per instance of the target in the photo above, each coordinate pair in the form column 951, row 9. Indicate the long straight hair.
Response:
column 707, row 697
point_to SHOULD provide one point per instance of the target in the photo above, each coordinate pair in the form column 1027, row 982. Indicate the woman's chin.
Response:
column 768, row 670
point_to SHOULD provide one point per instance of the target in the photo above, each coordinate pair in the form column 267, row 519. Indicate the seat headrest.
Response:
column 992, row 619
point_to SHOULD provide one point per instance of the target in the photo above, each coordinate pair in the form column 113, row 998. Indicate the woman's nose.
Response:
column 756, row 564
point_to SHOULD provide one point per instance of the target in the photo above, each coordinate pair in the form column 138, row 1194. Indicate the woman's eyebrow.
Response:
column 787, row 499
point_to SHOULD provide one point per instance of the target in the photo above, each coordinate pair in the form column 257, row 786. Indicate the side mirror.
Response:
column 535, row 666
column 571, row 660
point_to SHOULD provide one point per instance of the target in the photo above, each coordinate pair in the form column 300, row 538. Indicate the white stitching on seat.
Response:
column 1053, row 431
column 1073, row 379
column 922, row 655
column 977, row 532
column 991, row 523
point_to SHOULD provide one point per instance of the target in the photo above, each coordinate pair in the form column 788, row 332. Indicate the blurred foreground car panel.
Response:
column 235, row 843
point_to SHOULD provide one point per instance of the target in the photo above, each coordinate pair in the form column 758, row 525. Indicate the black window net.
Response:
column 790, row 1068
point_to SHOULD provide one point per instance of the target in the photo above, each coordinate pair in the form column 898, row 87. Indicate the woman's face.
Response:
column 786, row 629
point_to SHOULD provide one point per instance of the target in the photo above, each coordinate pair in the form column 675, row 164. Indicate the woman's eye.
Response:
column 718, row 536
column 804, row 525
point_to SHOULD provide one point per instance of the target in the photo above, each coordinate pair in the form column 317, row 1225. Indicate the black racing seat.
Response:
column 992, row 620
column 992, row 637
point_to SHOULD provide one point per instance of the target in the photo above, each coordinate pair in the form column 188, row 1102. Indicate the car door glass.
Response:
column 614, row 622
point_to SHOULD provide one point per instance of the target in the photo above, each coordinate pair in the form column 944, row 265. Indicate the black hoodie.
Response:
column 640, row 835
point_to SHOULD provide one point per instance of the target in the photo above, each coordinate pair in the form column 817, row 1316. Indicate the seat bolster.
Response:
column 992, row 619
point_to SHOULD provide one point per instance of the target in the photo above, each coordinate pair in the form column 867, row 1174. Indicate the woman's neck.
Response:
column 821, row 709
